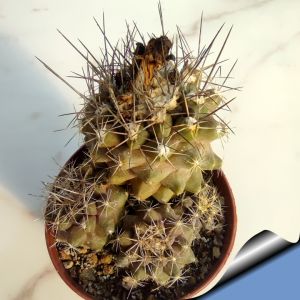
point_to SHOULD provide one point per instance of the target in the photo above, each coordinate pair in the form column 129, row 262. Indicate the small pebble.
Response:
column 64, row 255
column 82, row 250
column 91, row 260
column 106, row 260
column 216, row 252
column 68, row 264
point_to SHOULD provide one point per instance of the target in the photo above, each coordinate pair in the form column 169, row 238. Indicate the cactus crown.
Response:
column 148, row 120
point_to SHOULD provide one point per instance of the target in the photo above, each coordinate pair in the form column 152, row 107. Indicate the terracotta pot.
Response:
column 224, row 189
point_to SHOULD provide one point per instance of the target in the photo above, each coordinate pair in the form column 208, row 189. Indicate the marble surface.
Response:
column 261, row 160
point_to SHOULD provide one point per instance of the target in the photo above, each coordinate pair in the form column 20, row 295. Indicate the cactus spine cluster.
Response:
column 148, row 121
column 156, row 241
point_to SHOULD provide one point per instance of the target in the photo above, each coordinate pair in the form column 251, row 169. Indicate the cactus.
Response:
column 141, row 187
column 84, row 212
column 156, row 241
column 155, row 135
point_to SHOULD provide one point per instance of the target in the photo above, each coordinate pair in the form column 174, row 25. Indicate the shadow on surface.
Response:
column 30, row 106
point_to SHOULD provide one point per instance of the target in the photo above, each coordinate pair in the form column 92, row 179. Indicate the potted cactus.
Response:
column 142, row 210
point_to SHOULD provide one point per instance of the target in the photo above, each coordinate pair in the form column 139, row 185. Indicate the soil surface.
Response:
column 99, row 277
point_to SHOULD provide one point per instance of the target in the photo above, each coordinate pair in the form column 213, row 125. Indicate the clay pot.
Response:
column 224, row 189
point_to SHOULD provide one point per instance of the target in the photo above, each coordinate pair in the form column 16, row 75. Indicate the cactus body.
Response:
column 147, row 128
